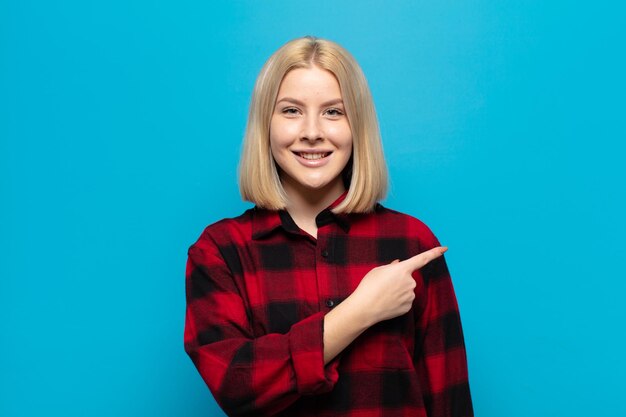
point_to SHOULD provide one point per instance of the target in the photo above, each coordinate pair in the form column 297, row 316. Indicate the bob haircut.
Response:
column 365, row 175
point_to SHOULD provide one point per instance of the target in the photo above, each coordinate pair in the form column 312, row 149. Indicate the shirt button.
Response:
column 325, row 253
column 330, row 303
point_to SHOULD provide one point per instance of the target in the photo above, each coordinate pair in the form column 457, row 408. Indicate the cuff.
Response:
column 306, row 345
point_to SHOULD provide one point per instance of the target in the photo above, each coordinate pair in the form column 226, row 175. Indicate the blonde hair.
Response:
column 365, row 176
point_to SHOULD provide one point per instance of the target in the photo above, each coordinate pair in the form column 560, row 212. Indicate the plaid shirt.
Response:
column 257, row 291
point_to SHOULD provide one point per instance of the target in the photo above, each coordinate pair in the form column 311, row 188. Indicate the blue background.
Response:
column 120, row 130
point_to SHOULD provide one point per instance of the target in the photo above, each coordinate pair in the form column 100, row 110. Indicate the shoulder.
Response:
column 397, row 223
column 225, row 233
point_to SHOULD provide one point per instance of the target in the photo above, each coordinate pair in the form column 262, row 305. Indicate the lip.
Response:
column 315, row 162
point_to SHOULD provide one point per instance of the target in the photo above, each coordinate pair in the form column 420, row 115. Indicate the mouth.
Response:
column 312, row 156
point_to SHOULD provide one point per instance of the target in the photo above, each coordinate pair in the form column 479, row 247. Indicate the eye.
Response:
column 290, row 111
column 334, row 112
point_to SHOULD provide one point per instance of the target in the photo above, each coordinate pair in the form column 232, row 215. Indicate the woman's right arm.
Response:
column 247, row 375
column 264, row 375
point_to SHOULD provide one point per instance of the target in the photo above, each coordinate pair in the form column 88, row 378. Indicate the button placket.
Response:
column 325, row 269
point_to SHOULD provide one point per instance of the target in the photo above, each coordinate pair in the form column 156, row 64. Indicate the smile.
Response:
column 312, row 159
column 312, row 156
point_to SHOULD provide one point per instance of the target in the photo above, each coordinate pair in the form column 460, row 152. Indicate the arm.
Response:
column 264, row 375
column 342, row 325
column 440, row 349
column 247, row 375
column 384, row 292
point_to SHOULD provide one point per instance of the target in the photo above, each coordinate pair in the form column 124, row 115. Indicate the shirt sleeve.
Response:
column 247, row 375
column 440, row 348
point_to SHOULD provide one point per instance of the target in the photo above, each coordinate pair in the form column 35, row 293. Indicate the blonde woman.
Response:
column 319, row 300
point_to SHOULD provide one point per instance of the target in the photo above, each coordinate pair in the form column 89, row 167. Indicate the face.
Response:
column 310, row 136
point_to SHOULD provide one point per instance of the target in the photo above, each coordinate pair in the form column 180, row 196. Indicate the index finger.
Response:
column 421, row 259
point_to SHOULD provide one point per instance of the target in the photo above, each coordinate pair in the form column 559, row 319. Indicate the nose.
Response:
column 311, row 129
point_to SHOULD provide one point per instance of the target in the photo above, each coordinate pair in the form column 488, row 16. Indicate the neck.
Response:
column 304, row 204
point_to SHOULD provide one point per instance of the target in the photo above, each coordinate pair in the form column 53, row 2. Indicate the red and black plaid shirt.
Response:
column 258, row 288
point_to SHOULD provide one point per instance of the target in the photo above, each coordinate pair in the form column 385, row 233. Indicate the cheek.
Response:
column 346, row 144
column 278, row 152
column 277, row 138
column 283, row 131
column 348, row 153
column 342, row 135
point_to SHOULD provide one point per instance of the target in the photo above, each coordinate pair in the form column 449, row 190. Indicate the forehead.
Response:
column 309, row 81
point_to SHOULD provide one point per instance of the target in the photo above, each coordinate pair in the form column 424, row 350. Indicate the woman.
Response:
column 319, row 300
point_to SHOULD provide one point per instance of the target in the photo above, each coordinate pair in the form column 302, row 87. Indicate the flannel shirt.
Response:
column 258, row 287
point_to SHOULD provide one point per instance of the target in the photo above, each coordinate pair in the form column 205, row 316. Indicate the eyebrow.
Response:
column 299, row 103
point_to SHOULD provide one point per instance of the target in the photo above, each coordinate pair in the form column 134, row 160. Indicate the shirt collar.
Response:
column 266, row 221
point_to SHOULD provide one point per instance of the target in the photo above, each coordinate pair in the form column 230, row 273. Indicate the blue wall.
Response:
column 120, row 128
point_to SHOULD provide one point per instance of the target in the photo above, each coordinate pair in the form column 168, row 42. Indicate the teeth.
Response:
column 313, row 156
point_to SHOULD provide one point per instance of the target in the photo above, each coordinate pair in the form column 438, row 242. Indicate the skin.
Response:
column 309, row 117
column 385, row 292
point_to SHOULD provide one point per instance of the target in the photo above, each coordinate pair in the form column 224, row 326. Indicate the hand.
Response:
column 387, row 291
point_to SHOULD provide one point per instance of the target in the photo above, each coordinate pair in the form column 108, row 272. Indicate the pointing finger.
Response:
column 421, row 259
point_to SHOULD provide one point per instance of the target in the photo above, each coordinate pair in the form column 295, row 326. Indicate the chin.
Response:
column 314, row 185
column 314, row 182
